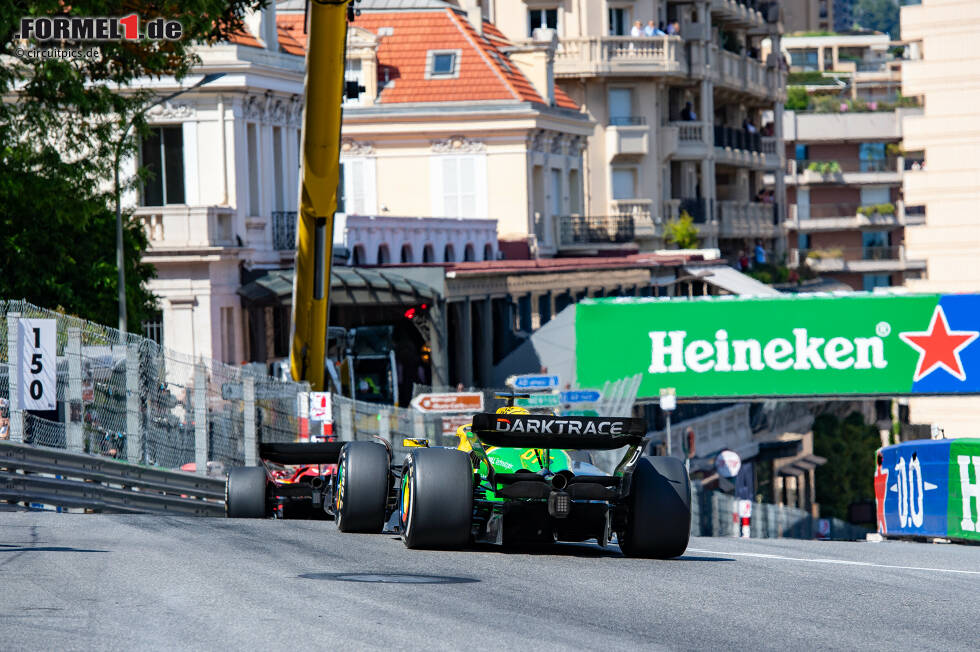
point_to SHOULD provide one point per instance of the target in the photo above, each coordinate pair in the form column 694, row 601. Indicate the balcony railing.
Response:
column 836, row 166
column 737, row 139
column 689, row 131
column 770, row 146
column 627, row 121
column 746, row 219
column 697, row 208
column 620, row 54
column 284, row 230
column 594, row 229
column 187, row 227
column 853, row 254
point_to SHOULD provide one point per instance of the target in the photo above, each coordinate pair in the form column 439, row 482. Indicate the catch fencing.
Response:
column 131, row 399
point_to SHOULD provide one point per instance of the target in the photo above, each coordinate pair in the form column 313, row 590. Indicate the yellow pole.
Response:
column 325, row 65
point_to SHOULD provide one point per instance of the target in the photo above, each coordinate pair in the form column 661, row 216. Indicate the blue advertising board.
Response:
column 533, row 381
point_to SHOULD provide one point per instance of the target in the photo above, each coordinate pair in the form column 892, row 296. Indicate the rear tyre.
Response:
column 659, row 520
column 437, row 498
column 362, row 487
column 245, row 495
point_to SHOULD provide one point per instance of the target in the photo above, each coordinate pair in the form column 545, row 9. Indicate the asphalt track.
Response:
column 164, row 583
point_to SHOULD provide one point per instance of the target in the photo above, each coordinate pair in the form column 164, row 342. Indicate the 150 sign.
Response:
column 38, row 364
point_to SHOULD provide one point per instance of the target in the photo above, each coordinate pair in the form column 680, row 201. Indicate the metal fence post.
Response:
column 384, row 427
column 200, row 419
column 248, row 399
column 134, row 429
column 13, row 373
column 73, row 415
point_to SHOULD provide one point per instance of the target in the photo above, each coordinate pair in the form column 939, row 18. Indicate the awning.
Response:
column 348, row 286
column 731, row 280
column 802, row 465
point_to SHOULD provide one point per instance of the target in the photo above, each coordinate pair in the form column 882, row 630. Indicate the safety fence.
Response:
column 128, row 398
column 715, row 514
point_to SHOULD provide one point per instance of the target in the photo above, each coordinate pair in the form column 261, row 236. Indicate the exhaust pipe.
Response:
column 560, row 480
column 317, row 483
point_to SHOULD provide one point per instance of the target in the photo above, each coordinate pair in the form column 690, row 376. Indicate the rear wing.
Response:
column 302, row 453
column 548, row 431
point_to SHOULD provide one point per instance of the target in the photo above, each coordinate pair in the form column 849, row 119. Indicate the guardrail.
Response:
column 30, row 474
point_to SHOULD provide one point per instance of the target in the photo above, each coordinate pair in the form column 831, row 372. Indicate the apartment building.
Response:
column 847, row 217
column 677, row 117
column 943, row 40
column 858, row 65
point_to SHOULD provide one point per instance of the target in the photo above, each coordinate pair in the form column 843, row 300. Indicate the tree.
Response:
column 848, row 475
column 879, row 15
column 58, row 135
column 682, row 232
column 797, row 99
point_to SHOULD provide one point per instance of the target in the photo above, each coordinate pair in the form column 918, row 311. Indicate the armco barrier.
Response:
column 929, row 488
column 30, row 474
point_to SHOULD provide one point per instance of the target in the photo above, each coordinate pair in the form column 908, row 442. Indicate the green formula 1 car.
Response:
column 511, row 481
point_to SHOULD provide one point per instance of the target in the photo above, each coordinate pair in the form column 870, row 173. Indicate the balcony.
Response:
column 739, row 72
column 284, row 230
column 856, row 259
column 690, row 140
column 844, row 171
column 734, row 146
column 620, row 56
column 627, row 137
column 824, row 217
column 591, row 230
column 183, row 229
column 770, row 152
column 739, row 219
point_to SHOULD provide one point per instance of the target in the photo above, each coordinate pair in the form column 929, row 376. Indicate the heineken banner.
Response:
column 929, row 489
column 817, row 345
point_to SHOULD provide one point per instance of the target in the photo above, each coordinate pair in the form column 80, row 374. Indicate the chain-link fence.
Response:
column 134, row 400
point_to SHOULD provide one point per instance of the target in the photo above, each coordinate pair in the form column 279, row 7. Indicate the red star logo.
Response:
column 939, row 347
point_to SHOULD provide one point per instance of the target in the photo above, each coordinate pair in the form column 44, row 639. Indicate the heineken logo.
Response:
column 673, row 352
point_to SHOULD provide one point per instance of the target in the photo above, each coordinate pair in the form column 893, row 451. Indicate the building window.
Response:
column 442, row 64
column 872, row 281
column 802, row 152
column 469, row 253
column 619, row 21
column 253, row 170
column 556, row 192
column 624, row 183
column 280, row 190
column 487, row 252
column 357, row 258
column 383, row 256
column 459, row 185
column 354, row 73
column 162, row 154
column 228, row 335
column 541, row 18
column 428, row 254
column 449, row 254
column 804, row 60
column 360, row 186
column 621, row 106
column 153, row 328
column 407, row 253
column 872, row 157
column 574, row 192
column 803, row 241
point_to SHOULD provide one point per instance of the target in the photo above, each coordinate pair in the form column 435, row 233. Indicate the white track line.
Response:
column 844, row 562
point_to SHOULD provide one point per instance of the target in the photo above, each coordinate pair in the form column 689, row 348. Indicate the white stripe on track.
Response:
column 844, row 562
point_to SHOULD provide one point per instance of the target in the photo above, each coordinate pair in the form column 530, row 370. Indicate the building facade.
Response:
column 677, row 117
column 847, row 217
column 943, row 71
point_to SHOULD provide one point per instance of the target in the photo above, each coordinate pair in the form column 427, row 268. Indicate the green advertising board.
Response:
column 541, row 400
column 809, row 345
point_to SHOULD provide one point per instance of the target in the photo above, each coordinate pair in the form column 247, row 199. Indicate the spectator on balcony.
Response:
column 653, row 30
column 687, row 113
column 637, row 29
column 760, row 253
column 673, row 28
column 749, row 127
column 743, row 261
column 768, row 129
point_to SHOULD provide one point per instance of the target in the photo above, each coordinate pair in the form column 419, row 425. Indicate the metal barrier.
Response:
column 29, row 474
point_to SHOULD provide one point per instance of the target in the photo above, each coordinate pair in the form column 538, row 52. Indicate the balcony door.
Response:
column 803, row 203
column 619, row 21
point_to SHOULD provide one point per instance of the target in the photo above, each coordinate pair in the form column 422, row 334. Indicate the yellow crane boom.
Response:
column 323, row 98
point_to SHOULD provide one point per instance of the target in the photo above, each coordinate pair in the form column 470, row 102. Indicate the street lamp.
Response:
column 120, row 258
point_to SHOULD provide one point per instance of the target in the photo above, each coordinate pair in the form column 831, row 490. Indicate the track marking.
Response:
column 843, row 562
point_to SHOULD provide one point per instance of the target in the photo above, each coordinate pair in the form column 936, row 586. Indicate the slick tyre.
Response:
column 659, row 519
column 437, row 498
column 245, row 493
column 362, row 487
